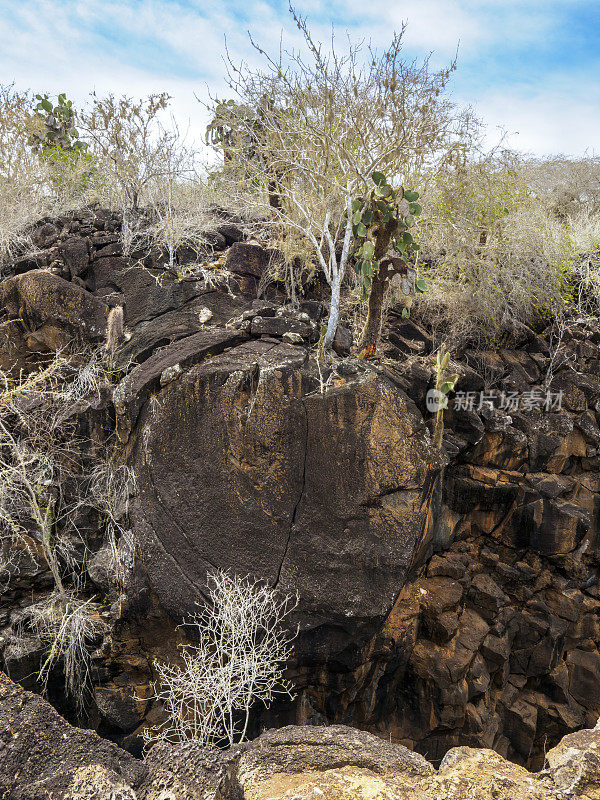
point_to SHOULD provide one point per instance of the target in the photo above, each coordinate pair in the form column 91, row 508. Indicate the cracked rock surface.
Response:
column 234, row 461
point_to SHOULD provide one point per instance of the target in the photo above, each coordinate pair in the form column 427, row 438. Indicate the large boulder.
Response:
column 244, row 465
column 336, row 763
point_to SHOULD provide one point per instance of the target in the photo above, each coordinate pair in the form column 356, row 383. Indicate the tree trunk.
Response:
column 273, row 191
column 370, row 333
column 50, row 556
column 334, row 312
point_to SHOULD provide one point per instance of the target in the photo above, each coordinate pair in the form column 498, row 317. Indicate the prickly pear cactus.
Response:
column 385, row 247
column 57, row 129
column 383, row 219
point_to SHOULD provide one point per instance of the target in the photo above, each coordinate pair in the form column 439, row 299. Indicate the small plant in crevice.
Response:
column 444, row 384
column 70, row 628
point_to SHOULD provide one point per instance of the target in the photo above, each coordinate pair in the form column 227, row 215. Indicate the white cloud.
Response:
column 440, row 25
column 142, row 46
column 544, row 123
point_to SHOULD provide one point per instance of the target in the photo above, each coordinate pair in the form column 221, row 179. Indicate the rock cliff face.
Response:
column 447, row 598
column 235, row 469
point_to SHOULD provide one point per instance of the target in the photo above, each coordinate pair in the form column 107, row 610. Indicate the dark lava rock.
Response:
column 342, row 342
column 75, row 254
column 240, row 452
column 135, row 389
column 230, row 232
column 41, row 754
column 277, row 326
column 247, row 259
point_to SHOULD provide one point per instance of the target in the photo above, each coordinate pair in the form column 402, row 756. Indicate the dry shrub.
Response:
column 33, row 185
column 51, row 479
column 70, row 628
column 584, row 232
column 135, row 158
column 132, row 147
column 566, row 187
column 21, row 202
column 493, row 254
column 242, row 650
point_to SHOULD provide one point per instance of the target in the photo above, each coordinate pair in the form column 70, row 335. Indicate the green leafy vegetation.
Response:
column 57, row 127
column 354, row 164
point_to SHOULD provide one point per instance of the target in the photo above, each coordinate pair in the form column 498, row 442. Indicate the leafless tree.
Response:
column 127, row 139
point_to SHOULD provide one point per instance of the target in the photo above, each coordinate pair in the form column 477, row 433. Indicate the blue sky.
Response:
column 529, row 67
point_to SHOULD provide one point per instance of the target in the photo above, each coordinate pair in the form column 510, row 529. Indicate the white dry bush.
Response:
column 565, row 186
column 111, row 485
column 146, row 164
column 69, row 627
column 42, row 483
column 20, row 198
column 180, row 217
column 130, row 144
column 37, row 456
column 87, row 378
column 43, row 490
column 239, row 659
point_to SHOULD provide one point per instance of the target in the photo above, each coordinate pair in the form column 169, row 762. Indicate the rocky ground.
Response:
column 43, row 757
column 447, row 598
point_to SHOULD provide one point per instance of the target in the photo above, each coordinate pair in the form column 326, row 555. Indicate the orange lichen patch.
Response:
column 402, row 621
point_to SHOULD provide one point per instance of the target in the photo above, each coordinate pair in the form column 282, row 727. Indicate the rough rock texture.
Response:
column 234, row 469
column 48, row 312
column 501, row 633
column 446, row 599
column 42, row 756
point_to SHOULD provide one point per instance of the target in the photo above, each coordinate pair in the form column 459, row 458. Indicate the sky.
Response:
column 530, row 69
